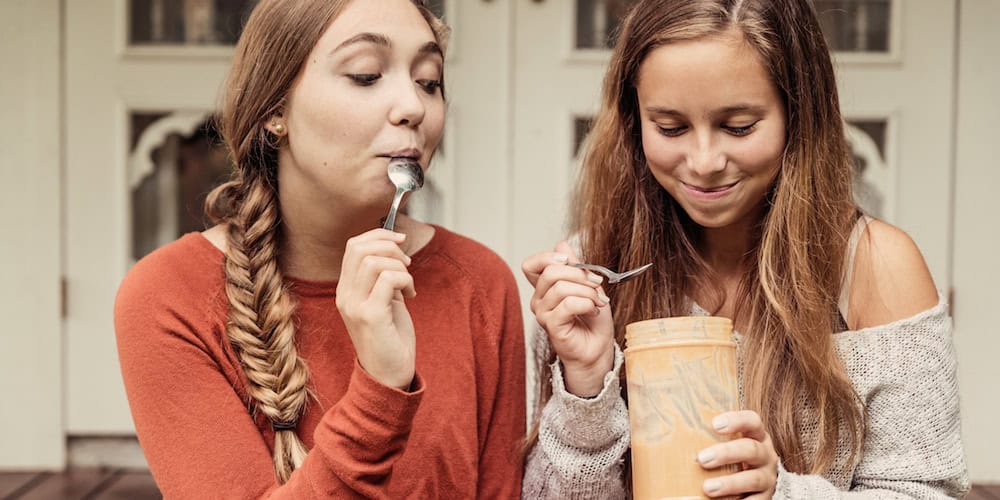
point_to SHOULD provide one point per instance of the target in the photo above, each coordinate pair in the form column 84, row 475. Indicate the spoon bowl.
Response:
column 407, row 176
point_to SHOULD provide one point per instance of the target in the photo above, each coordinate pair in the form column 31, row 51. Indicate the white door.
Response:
column 895, row 65
column 142, row 77
column 128, row 106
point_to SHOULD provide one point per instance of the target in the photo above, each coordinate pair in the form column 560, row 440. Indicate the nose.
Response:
column 705, row 158
column 408, row 107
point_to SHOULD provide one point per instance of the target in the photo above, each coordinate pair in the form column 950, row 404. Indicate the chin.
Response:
column 710, row 219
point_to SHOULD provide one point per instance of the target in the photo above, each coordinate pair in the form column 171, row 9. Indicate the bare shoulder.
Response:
column 216, row 235
column 891, row 280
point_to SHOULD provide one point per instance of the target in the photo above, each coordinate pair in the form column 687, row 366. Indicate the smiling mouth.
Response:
column 717, row 189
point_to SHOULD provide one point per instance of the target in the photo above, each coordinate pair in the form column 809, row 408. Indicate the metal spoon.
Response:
column 407, row 176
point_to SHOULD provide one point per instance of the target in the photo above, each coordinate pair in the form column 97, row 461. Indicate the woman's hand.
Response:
column 754, row 452
column 573, row 309
column 373, row 282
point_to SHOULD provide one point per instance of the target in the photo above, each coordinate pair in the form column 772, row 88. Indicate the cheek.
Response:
column 761, row 154
column 326, row 111
column 663, row 154
column 433, row 124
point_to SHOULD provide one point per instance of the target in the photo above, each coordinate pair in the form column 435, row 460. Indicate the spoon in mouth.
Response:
column 406, row 175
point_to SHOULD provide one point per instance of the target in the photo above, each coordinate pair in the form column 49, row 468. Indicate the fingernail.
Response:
column 720, row 423
column 706, row 456
column 594, row 278
column 712, row 485
column 560, row 258
column 603, row 298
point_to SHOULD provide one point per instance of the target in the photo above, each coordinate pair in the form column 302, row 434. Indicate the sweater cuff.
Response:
column 782, row 488
column 605, row 414
column 395, row 407
column 372, row 415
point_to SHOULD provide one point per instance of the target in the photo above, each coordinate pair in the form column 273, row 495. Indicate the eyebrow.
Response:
column 428, row 48
column 374, row 38
column 728, row 110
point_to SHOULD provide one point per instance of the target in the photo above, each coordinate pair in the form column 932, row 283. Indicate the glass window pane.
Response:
column 581, row 127
column 855, row 25
column 598, row 20
column 186, row 22
column 867, row 139
column 437, row 7
column 168, row 200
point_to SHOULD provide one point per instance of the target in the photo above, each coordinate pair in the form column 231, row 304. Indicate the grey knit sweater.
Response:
column 904, row 373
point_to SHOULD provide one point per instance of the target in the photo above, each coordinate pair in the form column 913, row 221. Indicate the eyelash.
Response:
column 670, row 132
column 741, row 131
column 366, row 79
column 737, row 131
column 430, row 86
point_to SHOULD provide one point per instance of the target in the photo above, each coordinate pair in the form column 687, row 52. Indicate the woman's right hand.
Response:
column 573, row 309
column 373, row 282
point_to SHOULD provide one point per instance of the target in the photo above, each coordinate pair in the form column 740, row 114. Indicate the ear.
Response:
column 276, row 125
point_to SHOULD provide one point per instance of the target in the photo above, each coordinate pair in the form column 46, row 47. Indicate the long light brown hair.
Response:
column 274, row 45
column 787, row 297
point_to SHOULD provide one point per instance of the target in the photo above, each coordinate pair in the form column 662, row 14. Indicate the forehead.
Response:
column 708, row 72
column 398, row 20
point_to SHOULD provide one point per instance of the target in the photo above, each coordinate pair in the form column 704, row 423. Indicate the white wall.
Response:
column 977, row 235
column 30, row 340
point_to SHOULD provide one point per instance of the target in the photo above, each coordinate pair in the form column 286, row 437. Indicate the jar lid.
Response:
column 676, row 329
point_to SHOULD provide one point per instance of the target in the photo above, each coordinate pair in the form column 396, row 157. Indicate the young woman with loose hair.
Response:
column 719, row 156
column 285, row 352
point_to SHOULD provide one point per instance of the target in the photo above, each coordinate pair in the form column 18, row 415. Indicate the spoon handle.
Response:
column 390, row 220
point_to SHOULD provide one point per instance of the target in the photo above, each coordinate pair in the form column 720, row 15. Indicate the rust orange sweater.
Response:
column 457, row 435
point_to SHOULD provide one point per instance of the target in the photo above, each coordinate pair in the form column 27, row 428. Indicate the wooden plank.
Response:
column 13, row 481
column 978, row 494
column 131, row 485
column 74, row 484
column 984, row 492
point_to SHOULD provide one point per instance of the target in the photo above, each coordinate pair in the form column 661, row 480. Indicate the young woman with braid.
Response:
column 719, row 156
column 295, row 349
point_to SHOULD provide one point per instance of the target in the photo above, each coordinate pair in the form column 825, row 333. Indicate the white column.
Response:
column 976, row 267
column 31, row 409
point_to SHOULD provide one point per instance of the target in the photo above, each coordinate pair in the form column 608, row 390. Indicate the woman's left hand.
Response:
column 754, row 452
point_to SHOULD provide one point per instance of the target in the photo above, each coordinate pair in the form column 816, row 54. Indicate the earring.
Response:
column 277, row 128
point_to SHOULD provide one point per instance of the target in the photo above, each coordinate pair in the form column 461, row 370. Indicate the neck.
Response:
column 725, row 248
column 313, row 246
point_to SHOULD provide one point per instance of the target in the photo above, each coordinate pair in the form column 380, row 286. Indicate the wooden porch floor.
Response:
column 123, row 484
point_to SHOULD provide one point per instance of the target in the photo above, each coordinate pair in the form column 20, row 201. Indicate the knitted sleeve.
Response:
column 581, row 443
column 905, row 373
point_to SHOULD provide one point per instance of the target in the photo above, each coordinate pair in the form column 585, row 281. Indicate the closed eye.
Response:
column 671, row 131
column 364, row 79
column 430, row 86
column 740, row 131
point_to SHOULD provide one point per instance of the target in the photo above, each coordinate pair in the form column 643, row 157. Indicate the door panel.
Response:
column 110, row 86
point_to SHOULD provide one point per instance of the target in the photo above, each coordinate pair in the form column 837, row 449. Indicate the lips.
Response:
column 708, row 193
column 404, row 154
column 715, row 189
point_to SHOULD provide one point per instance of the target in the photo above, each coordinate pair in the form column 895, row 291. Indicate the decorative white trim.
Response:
column 140, row 163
